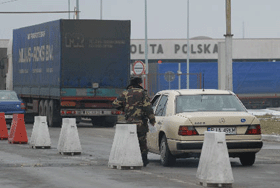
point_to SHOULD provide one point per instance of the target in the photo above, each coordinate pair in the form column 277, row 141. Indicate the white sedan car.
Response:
column 182, row 117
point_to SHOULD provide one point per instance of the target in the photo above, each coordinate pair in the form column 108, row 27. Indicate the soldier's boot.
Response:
column 145, row 160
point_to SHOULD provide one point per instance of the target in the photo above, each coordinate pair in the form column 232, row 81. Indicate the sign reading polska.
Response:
column 138, row 68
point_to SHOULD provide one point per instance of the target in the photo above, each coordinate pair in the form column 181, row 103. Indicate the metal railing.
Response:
column 169, row 80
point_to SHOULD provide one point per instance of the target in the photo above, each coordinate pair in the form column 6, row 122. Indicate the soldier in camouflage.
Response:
column 137, row 108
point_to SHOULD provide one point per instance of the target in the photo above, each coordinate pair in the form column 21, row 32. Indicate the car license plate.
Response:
column 227, row 130
column 8, row 116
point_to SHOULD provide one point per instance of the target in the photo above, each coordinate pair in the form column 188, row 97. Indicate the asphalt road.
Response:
column 23, row 167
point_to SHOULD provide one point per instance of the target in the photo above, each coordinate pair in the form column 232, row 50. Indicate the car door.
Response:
column 150, row 139
column 160, row 111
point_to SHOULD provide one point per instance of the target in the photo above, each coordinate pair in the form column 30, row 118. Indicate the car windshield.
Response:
column 8, row 95
column 194, row 103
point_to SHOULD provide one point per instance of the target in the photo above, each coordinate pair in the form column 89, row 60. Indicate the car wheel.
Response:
column 166, row 158
column 247, row 159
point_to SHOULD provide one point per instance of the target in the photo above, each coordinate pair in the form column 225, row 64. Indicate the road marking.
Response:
column 165, row 177
column 269, row 159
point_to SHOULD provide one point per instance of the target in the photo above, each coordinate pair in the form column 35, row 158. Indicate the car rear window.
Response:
column 8, row 95
column 194, row 103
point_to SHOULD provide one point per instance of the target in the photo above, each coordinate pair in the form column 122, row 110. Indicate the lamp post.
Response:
column 100, row 9
column 77, row 9
column 146, row 47
column 228, row 46
column 188, row 49
column 69, row 9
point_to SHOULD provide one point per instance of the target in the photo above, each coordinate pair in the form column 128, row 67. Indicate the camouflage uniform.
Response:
column 137, row 107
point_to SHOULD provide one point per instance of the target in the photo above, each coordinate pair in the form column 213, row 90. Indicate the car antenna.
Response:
column 203, row 82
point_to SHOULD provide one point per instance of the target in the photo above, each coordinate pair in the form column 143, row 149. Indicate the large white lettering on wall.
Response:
column 200, row 49
column 36, row 35
column 174, row 49
column 36, row 54
column 74, row 40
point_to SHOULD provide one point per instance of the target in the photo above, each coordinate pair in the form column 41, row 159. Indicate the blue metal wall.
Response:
column 248, row 77
column 208, row 69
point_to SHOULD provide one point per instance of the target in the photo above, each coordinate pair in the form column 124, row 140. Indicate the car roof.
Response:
column 195, row 92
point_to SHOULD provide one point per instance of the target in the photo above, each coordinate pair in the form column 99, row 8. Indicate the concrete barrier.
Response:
column 69, row 141
column 40, row 136
column 34, row 130
column 65, row 122
column 125, row 152
column 214, row 167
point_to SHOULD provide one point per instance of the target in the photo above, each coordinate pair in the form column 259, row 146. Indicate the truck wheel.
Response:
column 97, row 121
column 104, row 121
column 41, row 108
column 29, row 118
column 50, row 114
column 247, row 159
column 54, row 119
column 110, row 121
column 166, row 158
column 275, row 103
column 46, row 108
column 78, row 120
column 109, row 124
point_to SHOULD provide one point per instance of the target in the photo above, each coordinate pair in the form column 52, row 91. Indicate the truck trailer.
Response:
column 70, row 68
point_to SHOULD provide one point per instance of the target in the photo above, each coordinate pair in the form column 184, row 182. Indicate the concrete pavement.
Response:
column 271, row 138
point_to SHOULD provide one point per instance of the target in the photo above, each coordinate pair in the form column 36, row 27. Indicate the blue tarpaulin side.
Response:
column 99, row 54
column 256, row 77
column 36, row 55
column 71, row 54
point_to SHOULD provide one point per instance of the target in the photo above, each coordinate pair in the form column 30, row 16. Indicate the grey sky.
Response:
column 167, row 19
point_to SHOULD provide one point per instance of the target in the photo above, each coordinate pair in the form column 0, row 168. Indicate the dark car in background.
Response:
column 10, row 104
